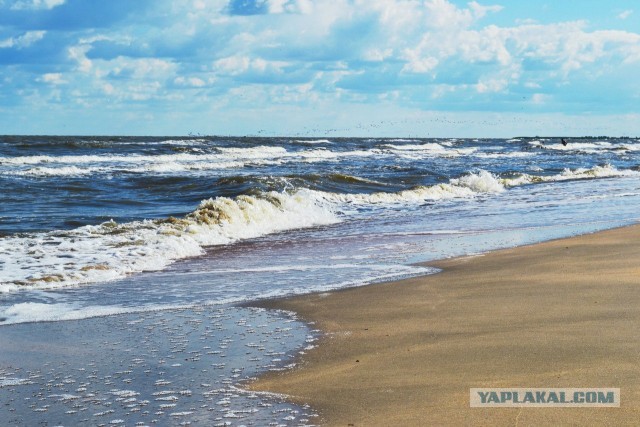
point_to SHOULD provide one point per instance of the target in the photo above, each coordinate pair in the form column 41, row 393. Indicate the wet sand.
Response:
column 564, row 313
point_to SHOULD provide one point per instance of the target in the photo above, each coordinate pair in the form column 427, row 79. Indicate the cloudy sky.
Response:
column 320, row 67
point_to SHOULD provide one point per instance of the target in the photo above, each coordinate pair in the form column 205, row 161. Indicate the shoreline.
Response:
column 561, row 313
column 181, row 366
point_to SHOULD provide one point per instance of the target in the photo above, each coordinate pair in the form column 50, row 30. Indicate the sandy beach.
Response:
column 564, row 313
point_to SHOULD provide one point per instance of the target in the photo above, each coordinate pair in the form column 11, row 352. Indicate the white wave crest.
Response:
column 110, row 250
column 507, row 155
column 590, row 147
column 224, row 158
column 606, row 171
column 467, row 186
column 417, row 147
column 431, row 149
column 313, row 141
column 58, row 171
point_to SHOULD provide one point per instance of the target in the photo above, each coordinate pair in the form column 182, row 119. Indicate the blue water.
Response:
column 126, row 226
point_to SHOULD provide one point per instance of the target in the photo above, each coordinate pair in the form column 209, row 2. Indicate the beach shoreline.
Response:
column 171, row 367
column 561, row 313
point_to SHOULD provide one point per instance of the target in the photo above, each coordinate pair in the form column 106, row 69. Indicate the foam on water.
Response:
column 313, row 141
column 110, row 250
column 49, row 307
column 512, row 155
column 223, row 158
column 426, row 150
column 179, row 367
column 40, row 312
column 587, row 147
column 113, row 250
column 466, row 186
column 435, row 147
column 59, row 171
column 70, row 165
column 260, row 152
column 606, row 171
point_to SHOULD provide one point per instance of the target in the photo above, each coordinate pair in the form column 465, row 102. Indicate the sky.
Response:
column 401, row 68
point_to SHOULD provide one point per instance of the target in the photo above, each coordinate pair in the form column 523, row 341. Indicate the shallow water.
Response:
column 173, row 367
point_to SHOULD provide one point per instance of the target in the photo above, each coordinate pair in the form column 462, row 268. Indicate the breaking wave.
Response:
column 606, row 171
column 464, row 187
column 587, row 147
column 113, row 250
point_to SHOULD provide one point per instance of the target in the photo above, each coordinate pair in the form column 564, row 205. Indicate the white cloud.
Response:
column 540, row 98
column 418, row 52
column 140, row 68
column 79, row 55
column 492, row 85
column 23, row 41
column 52, row 78
column 417, row 63
column 194, row 82
column 480, row 10
column 377, row 55
column 238, row 64
column 36, row 4
column 569, row 46
column 108, row 89
column 625, row 14
column 429, row 37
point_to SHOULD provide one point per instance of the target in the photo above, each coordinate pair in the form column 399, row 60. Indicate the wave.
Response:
column 259, row 152
column 417, row 147
column 222, row 158
column 350, row 179
column 414, row 151
column 586, row 147
column 404, row 140
column 506, row 155
column 28, row 312
column 156, row 168
column 606, row 171
column 466, row 186
column 41, row 171
column 113, row 250
column 313, row 141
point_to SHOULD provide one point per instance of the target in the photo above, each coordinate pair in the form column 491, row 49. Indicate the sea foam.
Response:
column 470, row 185
column 112, row 250
column 605, row 171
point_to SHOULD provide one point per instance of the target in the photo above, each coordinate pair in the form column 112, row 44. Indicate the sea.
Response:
column 128, row 265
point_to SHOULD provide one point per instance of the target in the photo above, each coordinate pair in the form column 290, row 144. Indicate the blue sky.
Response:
column 423, row 68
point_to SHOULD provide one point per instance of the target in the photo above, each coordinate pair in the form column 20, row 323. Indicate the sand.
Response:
column 564, row 313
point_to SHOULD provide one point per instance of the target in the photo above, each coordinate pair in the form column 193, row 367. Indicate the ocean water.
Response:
column 123, row 227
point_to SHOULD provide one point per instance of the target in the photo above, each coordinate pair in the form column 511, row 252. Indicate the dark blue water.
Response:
column 52, row 183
